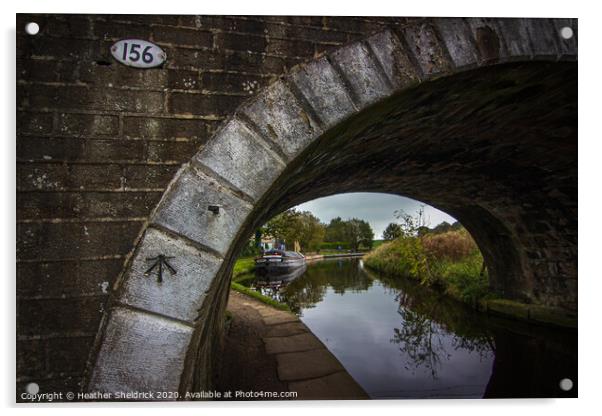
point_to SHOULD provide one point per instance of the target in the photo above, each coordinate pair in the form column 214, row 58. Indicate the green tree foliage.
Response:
column 301, row 226
column 392, row 232
column 354, row 232
column 335, row 231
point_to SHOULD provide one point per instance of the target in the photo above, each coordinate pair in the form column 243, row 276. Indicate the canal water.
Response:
column 399, row 339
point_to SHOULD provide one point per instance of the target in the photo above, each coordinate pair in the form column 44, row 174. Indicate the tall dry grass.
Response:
column 450, row 246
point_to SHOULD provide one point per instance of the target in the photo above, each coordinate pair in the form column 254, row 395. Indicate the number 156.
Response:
column 135, row 55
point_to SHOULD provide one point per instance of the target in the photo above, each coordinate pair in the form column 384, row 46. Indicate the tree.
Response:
column 354, row 232
column 357, row 232
column 366, row 234
column 301, row 226
column 335, row 231
column 392, row 232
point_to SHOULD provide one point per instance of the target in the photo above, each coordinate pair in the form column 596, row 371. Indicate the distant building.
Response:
column 268, row 242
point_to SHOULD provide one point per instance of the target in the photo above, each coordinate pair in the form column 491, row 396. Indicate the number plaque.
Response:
column 138, row 53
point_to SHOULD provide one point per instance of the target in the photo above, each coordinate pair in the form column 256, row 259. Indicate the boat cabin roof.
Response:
column 282, row 253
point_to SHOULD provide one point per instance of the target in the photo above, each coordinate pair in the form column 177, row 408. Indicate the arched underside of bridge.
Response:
column 475, row 117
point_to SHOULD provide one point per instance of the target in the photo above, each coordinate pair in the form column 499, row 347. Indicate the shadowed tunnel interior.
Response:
column 494, row 147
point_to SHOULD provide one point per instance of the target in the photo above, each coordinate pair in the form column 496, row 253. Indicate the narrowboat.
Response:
column 279, row 262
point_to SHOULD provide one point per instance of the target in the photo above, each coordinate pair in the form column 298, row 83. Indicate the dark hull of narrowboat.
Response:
column 280, row 278
column 279, row 268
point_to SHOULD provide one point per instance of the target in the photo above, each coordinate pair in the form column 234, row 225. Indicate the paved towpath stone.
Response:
column 303, row 363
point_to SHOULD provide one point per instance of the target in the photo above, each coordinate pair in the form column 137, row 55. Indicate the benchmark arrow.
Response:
column 160, row 261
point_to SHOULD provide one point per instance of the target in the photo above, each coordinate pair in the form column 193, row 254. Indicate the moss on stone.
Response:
column 530, row 312
column 508, row 308
column 555, row 316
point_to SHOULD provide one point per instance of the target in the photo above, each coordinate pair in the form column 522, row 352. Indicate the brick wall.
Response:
column 97, row 142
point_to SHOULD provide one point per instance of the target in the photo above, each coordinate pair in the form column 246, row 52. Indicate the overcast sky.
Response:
column 377, row 209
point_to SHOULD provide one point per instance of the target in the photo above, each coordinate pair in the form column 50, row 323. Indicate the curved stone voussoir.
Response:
column 424, row 44
column 458, row 40
column 544, row 38
column 514, row 38
column 394, row 59
column 140, row 352
column 324, row 90
column 489, row 40
column 185, row 211
column 278, row 116
column 181, row 293
column 238, row 155
column 363, row 73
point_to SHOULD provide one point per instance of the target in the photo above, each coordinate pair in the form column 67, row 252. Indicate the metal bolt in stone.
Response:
column 214, row 208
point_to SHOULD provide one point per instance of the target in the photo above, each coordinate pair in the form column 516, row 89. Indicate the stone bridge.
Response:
column 477, row 117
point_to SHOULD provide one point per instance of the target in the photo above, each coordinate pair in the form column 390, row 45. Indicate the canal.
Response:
column 399, row 339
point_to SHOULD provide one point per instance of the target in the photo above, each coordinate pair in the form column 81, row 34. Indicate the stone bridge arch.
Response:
column 474, row 116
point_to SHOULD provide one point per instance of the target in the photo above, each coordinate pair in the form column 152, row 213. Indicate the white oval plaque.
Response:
column 138, row 53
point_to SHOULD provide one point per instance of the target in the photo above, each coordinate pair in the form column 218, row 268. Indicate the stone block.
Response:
column 393, row 59
column 281, row 118
column 293, row 343
column 508, row 308
column 287, row 329
column 307, row 364
column 489, row 42
column 337, row 386
column 140, row 352
column 544, row 38
column 425, row 46
column 280, row 319
column 324, row 90
column 185, row 211
column 149, row 176
column 554, row 316
column 514, row 33
column 180, row 295
column 237, row 155
column 458, row 40
column 368, row 83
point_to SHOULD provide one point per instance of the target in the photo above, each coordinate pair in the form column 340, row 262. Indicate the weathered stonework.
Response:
column 242, row 159
column 394, row 59
column 180, row 294
column 141, row 353
column 323, row 89
column 365, row 77
column 458, row 40
column 185, row 211
column 394, row 111
column 280, row 117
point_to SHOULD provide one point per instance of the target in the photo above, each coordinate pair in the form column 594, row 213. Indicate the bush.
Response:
column 449, row 261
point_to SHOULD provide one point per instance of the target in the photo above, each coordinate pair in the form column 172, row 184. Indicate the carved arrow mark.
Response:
column 160, row 261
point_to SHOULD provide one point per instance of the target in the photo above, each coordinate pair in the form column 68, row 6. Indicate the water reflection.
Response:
column 401, row 340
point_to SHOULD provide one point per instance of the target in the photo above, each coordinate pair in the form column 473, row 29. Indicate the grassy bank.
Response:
column 256, row 295
column 243, row 269
column 450, row 262
column 243, row 265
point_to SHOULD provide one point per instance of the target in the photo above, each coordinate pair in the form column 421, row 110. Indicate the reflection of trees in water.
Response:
column 308, row 290
column 431, row 323
column 420, row 340
column 529, row 360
